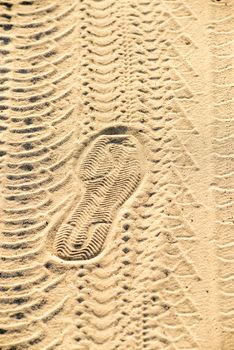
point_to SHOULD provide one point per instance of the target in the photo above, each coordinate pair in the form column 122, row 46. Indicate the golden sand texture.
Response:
column 116, row 158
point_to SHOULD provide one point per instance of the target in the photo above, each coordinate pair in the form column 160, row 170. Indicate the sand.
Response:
column 116, row 150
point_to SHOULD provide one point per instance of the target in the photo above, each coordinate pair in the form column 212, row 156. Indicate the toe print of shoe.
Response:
column 110, row 172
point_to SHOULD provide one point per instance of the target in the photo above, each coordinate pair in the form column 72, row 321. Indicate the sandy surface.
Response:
column 116, row 150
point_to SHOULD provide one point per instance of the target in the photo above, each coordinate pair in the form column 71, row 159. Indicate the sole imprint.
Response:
column 110, row 172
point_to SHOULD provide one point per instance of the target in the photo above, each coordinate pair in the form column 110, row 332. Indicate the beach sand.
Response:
column 116, row 163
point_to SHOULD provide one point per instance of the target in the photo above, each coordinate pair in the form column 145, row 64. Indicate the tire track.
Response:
column 158, row 316
column 221, row 36
column 37, row 100
column 100, row 311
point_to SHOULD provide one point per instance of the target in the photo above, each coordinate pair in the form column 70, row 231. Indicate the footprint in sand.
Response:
column 110, row 173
